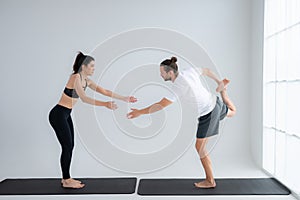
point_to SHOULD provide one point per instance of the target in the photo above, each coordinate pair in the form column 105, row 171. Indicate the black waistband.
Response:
column 64, row 108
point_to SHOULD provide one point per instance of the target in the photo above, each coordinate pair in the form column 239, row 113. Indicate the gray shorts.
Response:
column 209, row 124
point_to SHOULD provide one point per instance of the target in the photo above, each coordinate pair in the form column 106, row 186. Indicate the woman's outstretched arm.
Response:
column 86, row 99
column 109, row 93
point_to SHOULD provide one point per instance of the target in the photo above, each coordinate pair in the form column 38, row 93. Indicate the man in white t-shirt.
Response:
column 187, row 86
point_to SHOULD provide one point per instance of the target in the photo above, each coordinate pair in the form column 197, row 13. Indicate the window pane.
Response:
column 281, row 15
column 281, row 56
column 269, row 13
column 280, row 155
column 293, row 61
column 293, row 108
column 269, row 105
column 281, row 105
column 269, row 149
column 270, row 60
column 293, row 162
column 293, row 14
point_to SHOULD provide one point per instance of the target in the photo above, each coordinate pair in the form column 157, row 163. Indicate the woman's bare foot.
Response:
column 70, row 179
column 205, row 184
column 72, row 183
column 222, row 85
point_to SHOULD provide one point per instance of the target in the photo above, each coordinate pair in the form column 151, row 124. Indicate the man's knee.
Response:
column 201, row 151
column 202, row 154
column 197, row 147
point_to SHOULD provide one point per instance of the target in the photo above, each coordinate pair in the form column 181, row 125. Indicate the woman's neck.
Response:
column 83, row 75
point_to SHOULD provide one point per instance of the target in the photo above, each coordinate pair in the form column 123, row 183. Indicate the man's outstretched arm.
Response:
column 150, row 109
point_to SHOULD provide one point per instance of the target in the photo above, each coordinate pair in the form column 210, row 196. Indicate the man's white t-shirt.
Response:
column 187, row 86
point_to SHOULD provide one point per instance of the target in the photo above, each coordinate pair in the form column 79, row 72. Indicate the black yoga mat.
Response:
column 52, row 186
column 245, row 186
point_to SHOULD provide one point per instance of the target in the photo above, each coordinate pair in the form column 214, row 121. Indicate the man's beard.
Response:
column 167, row 79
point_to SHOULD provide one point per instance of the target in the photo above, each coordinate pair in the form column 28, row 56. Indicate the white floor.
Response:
column 228, row 167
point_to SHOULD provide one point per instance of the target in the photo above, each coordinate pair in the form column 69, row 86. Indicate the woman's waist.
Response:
column 67, row 102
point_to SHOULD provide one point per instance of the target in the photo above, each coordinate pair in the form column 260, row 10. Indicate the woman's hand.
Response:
column 130, row 99
column 111, row 105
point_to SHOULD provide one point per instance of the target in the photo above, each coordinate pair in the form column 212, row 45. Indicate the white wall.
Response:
column 39, row 40
column 257, row 41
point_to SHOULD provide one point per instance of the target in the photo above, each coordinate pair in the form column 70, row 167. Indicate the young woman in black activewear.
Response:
column 60, row 118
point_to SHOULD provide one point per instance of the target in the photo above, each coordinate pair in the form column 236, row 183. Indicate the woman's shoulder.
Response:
column 74, row 76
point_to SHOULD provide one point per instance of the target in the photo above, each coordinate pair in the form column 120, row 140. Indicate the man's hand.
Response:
column 134, row 113
column 150, row 109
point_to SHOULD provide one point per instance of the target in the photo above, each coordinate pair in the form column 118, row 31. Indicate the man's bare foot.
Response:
column 222, row 85
column 205, row 184
column 71, row 183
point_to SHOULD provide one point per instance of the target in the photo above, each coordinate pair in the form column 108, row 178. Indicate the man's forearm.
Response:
column 151, row 109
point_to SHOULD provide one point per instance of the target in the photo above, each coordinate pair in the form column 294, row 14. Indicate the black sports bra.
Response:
column 72, row 92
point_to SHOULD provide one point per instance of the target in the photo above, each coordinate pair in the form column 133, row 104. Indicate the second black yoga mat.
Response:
column 248, row 186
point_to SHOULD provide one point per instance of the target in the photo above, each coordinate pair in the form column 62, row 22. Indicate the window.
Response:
column 281, row 120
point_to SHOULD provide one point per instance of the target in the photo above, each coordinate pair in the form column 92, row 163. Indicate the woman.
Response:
column 60, row 118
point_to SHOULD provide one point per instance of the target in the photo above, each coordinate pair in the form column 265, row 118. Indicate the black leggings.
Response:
column 61, row 121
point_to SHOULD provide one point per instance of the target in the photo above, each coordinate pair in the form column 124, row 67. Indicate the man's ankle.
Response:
column 210, row 180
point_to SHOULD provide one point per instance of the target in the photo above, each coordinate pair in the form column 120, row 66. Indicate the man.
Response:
column 211, row 110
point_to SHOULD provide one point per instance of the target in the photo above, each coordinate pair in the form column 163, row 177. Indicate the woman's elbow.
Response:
column 84, row 99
